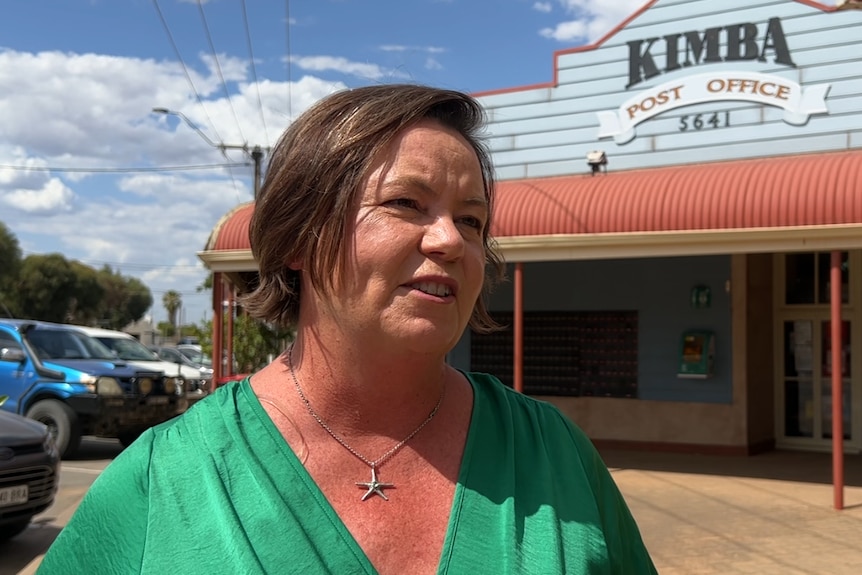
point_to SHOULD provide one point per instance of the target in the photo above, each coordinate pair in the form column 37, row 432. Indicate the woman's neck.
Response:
column 368, row 390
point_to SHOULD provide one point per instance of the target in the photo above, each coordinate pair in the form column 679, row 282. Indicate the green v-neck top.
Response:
column 218, row 490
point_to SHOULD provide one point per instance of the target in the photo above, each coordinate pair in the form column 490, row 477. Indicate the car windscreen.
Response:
column 129, row 349
column 174, row 356
column 197, row 357
column 66, row 344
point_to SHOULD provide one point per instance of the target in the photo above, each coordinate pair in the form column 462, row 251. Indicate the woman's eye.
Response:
column 472, row 222
column 403, row 203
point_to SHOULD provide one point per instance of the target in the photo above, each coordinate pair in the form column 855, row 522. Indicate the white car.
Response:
column 137, row 354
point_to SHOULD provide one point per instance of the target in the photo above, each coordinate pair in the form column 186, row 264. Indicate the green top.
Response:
column 218, row 490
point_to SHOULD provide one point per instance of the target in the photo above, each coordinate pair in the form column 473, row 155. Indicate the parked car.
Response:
column 29, row 471
column 76, row 386
column 173, row 355
column 133, row 351
column 195, row 354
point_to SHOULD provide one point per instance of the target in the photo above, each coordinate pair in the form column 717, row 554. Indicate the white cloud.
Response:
column 91, row 111
column 545, row 7
column 432, row 64
column 232, row 69
column 590, row 20
column 50, row 199
column 341, row 65
column 402, row 48
column 566, row 31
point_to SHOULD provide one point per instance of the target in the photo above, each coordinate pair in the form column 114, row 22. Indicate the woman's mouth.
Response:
column 432, row 288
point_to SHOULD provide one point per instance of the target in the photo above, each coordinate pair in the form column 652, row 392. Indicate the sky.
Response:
column 88, row 170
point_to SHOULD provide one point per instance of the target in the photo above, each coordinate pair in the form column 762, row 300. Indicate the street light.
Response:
column 256, row 153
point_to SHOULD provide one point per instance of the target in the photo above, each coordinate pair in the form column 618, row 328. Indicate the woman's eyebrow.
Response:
column 477, row 201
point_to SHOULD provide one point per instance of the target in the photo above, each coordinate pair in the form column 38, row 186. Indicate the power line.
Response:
column 256, row 153
column 288, row 62
column 126, row 169
column 139, row 266
column 185, row 69
column 254, row 70
column 194, row 90
column 218, row 69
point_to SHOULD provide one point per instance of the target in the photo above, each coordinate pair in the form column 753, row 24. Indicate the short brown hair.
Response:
column 316, row 170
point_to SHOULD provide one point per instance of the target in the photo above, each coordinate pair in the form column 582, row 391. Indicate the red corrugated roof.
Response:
column 816, row 189
column 231, row 232
column 788, row 191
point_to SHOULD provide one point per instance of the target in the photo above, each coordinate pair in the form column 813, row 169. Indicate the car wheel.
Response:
column 11, row 530
column 62, row 421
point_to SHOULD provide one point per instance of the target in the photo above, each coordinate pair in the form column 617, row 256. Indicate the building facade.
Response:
column 680, row 207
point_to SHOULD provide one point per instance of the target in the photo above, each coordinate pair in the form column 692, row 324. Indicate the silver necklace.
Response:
column 374, row 487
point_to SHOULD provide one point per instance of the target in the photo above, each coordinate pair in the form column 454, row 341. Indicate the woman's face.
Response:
column 414, row 250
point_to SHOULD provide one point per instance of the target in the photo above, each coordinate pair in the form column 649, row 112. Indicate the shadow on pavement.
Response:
column 22, row 554
column 19, row 552
column 798, row 466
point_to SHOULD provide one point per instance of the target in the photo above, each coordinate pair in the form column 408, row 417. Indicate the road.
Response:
column 22, row 554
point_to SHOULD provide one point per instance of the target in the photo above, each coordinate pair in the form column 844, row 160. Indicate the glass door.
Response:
column 807, row 382
column 826, row 380
column 798, row 379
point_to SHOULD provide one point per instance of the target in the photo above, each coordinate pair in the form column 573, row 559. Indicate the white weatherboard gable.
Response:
column 548, row 130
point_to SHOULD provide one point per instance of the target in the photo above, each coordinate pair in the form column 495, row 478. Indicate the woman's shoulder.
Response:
column 208, row 420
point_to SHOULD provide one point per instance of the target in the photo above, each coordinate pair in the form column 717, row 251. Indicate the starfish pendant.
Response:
column 374, row 487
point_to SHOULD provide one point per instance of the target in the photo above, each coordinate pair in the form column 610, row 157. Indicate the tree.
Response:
column 254, row 342
column 10, row 267
column 46, row 287
column 51, row 288
column 140, row 298
column 125, row 300
column 172, row 301
column 86, row 297
column 166, row 329
column 207, row 284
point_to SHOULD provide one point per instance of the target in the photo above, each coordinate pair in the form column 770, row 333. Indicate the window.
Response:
column 6, row 340
column 565, row 353
column 808, row 275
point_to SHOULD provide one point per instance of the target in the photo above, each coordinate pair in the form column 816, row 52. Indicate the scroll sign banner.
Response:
column 798, row 103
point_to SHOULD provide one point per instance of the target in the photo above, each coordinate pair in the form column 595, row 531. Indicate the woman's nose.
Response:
column 443, row 239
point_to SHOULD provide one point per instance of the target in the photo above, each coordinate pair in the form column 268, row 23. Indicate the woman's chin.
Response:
column 427, row 338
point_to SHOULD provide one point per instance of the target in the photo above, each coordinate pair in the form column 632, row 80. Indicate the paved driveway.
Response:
column 766, row 514
column 21, row 555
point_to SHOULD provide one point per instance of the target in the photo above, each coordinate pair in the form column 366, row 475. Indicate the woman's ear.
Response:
column 294, row 265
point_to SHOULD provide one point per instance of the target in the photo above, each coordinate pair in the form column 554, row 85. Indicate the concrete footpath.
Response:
column 765, row 514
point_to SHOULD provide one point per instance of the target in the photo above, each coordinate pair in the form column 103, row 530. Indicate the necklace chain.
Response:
column 383, row 458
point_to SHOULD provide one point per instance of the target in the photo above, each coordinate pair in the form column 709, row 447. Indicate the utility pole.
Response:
column 256, row 153
column 257, row 157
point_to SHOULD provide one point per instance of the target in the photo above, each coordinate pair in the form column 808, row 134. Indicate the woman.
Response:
column 360, row 450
